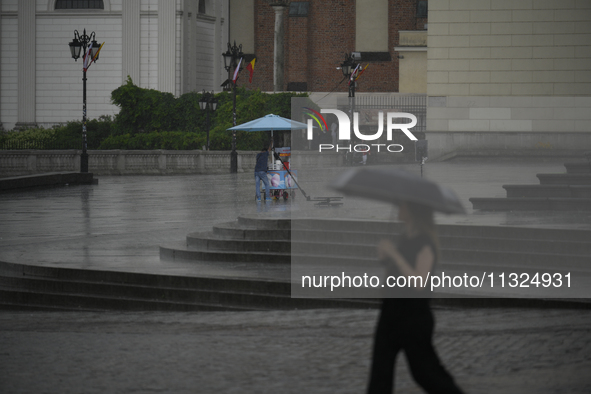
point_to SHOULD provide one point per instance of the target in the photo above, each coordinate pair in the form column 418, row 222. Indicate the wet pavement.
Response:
column 119, row 224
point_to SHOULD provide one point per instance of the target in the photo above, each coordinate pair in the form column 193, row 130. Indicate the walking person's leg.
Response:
column 423, row 361
column 387, row 344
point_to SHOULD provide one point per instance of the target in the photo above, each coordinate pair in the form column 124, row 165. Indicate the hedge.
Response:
column 150, row 119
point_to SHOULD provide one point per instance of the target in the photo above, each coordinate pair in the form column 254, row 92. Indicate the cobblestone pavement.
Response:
column 314, row 351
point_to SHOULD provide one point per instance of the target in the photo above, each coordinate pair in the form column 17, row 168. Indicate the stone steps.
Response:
column 49, row 288
column 246, row 265
column 340, row 242
column 570, row 191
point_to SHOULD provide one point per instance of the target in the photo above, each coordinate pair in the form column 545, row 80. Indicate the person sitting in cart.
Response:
column 260, row 172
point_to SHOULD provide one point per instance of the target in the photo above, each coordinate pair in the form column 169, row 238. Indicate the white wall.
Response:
column 8, row 70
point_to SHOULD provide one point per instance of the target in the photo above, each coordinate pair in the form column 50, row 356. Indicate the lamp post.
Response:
column 348, row 67
column 208, row 103
column 81, row 43
column 231, row 61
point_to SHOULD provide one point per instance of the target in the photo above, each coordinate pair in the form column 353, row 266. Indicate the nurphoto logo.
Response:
column 344, row 130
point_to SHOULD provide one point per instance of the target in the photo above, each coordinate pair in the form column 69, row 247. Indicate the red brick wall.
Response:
column 315, row 45
column 264, row 33
column 296, row 50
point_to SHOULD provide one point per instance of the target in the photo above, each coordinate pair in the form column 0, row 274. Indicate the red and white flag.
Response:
column 87, row 59
column 236, row 71
column 354, row 74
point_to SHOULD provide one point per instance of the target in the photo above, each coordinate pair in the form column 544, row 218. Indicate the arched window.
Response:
column 79, row 4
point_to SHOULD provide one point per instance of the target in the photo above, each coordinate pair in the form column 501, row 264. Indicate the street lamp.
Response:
column 208, row 103
column 348, row 67
column 231, row 61
column 79, row 45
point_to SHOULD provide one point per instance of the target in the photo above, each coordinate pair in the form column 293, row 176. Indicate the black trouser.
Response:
column 413, row 334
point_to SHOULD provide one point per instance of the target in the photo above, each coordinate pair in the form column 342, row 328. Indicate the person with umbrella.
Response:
column 406, row 321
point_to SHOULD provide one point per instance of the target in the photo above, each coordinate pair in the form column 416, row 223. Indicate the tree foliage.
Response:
column 150, row 119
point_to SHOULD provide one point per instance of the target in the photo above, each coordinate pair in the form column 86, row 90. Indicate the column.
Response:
column 166, row 45
column 278, row 50
column 131, row 41
column 217, row 46
column 26, row 63
column 0, row 71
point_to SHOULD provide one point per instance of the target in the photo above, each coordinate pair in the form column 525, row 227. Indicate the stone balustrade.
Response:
column 148, row 162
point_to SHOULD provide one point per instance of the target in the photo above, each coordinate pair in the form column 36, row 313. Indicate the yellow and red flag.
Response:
column 250, row 68
column 361, row 72
column 88, row 59
column 99, row 51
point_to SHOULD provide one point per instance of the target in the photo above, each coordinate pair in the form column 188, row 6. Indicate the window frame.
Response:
column 52, row 3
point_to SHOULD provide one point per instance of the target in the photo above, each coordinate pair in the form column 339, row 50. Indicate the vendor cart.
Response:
column 282, row 179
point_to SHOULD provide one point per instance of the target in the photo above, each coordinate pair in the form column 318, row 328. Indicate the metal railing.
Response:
column 415, row 104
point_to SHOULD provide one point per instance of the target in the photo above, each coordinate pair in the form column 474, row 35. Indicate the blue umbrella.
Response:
column 270, row 123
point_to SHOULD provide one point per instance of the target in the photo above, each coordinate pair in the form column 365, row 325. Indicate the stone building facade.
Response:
column 509, row 75
column 169, row 45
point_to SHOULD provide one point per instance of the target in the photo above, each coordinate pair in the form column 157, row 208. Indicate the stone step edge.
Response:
column 279, row 298
column 455, row 263
column 185, row 249
column 445, row 227
column 525, row 203
column 182, row 252
column 137, row 287
column 533, row 234
column 209, row 236
column 98, row 299
column 5, row 305
column 282, row 300
column 123, row 277
column 547, row 186
column 466, row 263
